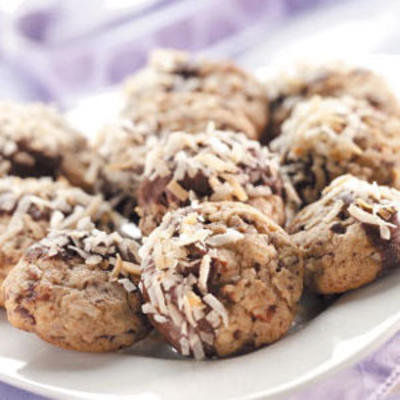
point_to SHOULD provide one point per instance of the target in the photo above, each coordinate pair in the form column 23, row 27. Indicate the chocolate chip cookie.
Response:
column 215, row 166
column 118, row 163
column 350, row 236
column 36, row 141
column 328, row 137
column 30, row 207
column 176, row 92
column 74, row 290
column 335, row 80
column 219, row 279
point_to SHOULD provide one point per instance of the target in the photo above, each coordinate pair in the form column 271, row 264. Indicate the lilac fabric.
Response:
column 71, row 55
column 374, row 378
column 52, row 51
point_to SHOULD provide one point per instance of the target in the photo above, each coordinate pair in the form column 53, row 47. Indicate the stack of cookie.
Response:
column 244, row 192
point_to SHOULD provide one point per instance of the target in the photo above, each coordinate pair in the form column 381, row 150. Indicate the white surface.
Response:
column 342, row 334
column 340, row 28
column 320, row 344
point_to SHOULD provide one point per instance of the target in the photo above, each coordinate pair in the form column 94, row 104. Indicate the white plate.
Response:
column 321, row 342
column 346, row 331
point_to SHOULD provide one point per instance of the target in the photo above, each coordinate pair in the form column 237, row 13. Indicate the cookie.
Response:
column 328, row 137
column 73, row 289
column 350, row 236
column 213, row 165
column 219, row 279
column 30, row 207
column 36, row 141
column 176, row 92
column 118, row 165
column 335, row 80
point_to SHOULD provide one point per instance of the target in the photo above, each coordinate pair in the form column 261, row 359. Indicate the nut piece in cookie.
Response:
column 286, row 90
column 176, row 92
column 220, row 279
column 215, row 166
column 116, row 170
column 36, row 141
column 73, row 289
column 328, row 137
column 349, row 236
column 30, row 207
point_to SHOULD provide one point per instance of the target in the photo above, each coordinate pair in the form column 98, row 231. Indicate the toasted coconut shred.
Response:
column 327, row 125
column 291, row 85
column 327, row 137
column 117, row 169
column 173, row 70
column 28, row 200
column 214, row 165
column 34, row 129
column 226, row 153
column 293, row 80
column 97, row 249
column 175, row 92
column 367, row 203
column 170, row 286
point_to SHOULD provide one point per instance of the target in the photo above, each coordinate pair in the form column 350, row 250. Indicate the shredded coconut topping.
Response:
column 118, row 165
column 330, row 79
column 175, row 71
column 177, row 286
column 327, row 137
column 97, row 249
column 367, row 203
column 57, row 203
column 175, row 92
column 215, row 166
column 33, row 131
column 327, row 125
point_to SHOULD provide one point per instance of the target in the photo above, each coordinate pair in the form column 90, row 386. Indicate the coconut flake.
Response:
column 207, row 338
column 384, row 232
column 217, row 306
column 196, row 346
column 80, row 252
column 187, row 308
column 178, row 191
column 93, row 259
column 204, row 272
column 230, row 236
column 131, row 268
column 148, row 308
column 184, row 345
column 367, row 218
column 117, row 266
column 237, row 188
column 128, row 285
column 160, row 318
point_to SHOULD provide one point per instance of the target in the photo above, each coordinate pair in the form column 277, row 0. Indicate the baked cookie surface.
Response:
column 73, row 289
column 328, row 137
column 350, row 236
column 30, row 207
column 215, row 166
column 36, row 141
column 118, row 165
column 219, row 279
column 176, row 92
column 287, row 90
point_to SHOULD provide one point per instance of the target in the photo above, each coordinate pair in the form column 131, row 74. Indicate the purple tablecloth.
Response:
column 52, row 51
